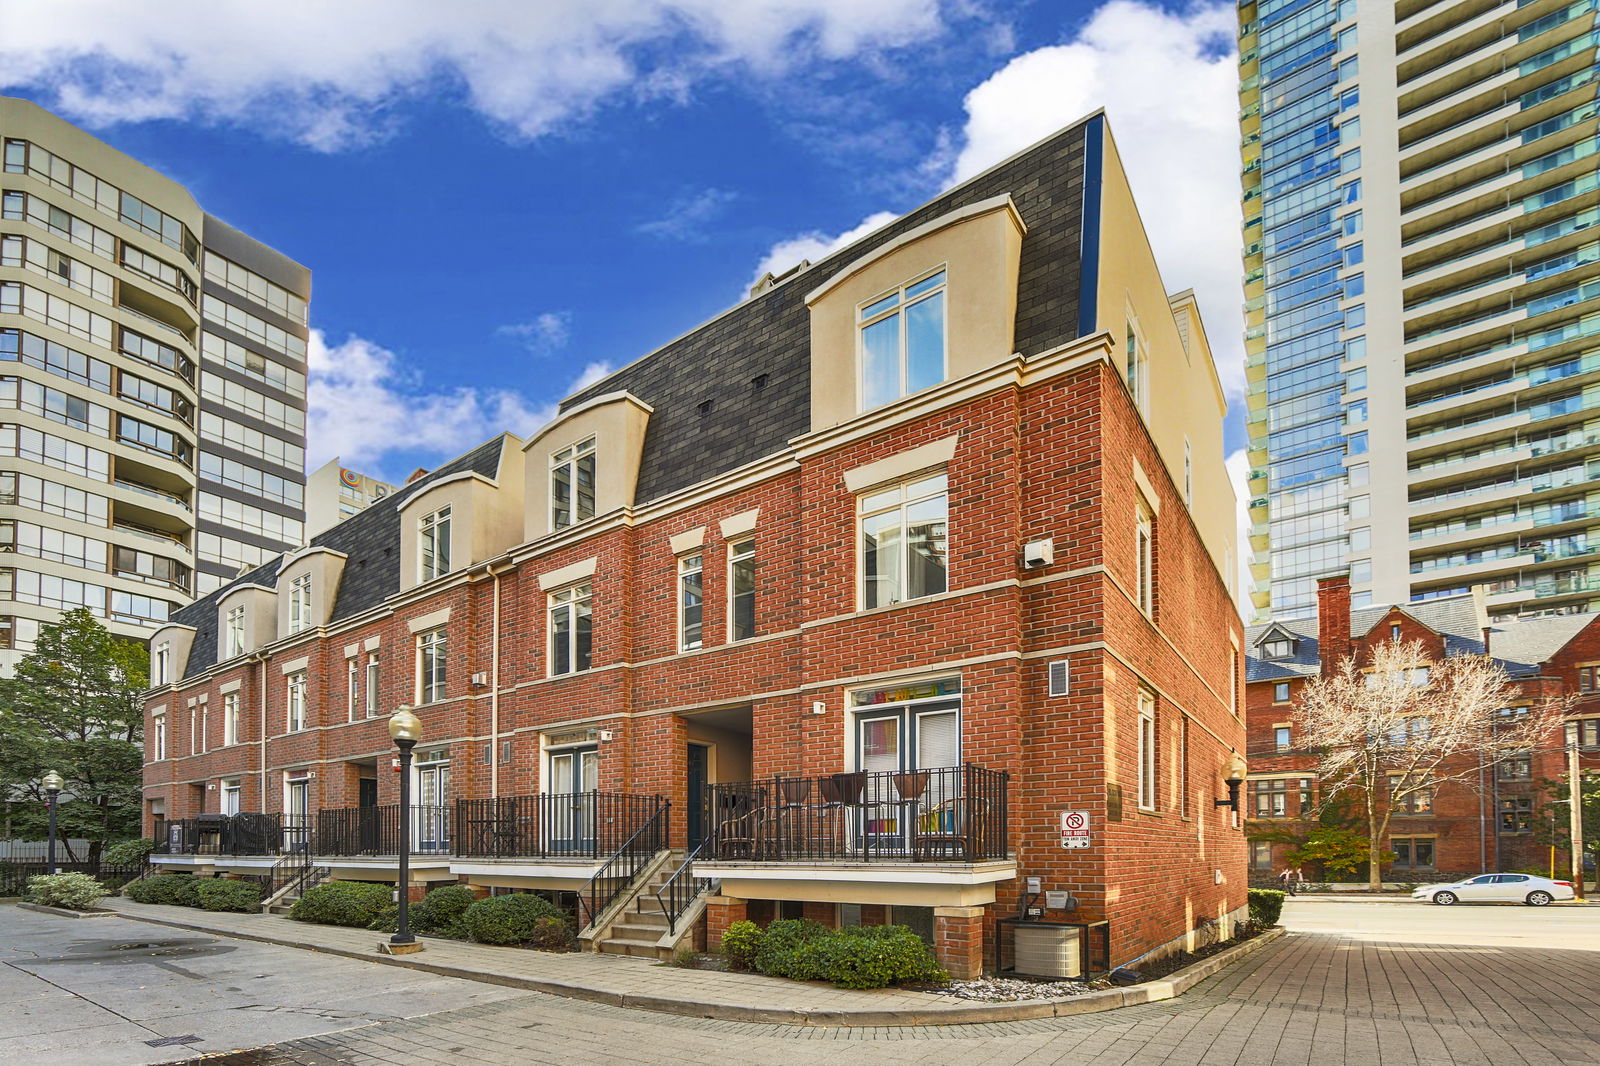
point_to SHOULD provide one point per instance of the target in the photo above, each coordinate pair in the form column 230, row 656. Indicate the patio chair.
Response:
column 954, row 828
column 745, row 835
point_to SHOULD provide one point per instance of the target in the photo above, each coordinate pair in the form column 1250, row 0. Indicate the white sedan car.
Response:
column 1497, row 888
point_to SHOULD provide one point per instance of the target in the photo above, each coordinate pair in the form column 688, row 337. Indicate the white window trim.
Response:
column 439, row 640
column 862, row 322
column 554, row 601
column 734, row 556
column 431, row 525
column 905, row 542
column 370, row 704
column 158, row 730
column 1144, row 558
column 577, row 450
column 692, row 563
column 231, row 718
column 1149, row 750
column 352, row 689
column 294, row 692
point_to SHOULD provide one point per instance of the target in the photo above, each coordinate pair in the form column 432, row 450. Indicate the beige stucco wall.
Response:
column 326, row 567
column 180, row 639
column 980, row 250
column 486, row 518
column 260, row 617
column 617, row 423
column 1185, row 396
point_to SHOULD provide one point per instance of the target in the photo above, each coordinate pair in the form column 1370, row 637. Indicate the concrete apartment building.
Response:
column 1423, row 287
column 833, row 606
column 334, row 492
column 1457, row 828
column 154, row 385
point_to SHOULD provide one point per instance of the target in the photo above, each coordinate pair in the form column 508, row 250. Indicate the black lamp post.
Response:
column 1233, row 779
column 53, row 784
column 406, row 729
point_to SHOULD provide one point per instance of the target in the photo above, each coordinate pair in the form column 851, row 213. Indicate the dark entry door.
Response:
column 699, row 772
column 367, row 814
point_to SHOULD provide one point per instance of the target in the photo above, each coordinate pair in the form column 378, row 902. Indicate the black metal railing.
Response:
column 625, row 865
column 15, row 873
column 951, row 813
column 249, row 833
column 682, row 889
column 376, row 830
column 578, row 825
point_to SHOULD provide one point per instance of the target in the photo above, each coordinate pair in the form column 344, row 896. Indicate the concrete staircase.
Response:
column 281, row 904
column 641, row 929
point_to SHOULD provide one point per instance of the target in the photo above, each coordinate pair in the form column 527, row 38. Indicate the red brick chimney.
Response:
column 1333, row 622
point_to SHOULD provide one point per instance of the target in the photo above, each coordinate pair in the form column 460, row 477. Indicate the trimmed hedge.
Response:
column 220, row 895
column 440, row 911
column 73, row 891
column 778, row 952
column 739, row 943
column 872, row 956
column 162, row 888
column 1265, row 906
column 351, row 903
column 510, row 919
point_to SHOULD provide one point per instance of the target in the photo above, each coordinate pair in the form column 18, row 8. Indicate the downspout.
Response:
column 261, row 702
column 494, row 692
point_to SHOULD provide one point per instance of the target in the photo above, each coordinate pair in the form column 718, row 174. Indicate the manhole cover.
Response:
column 170, row 1041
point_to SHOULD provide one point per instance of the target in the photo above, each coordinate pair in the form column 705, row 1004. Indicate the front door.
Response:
column 430, row 813
column 699, row 771
column 367, row 815
column 296, row 813
column 890, row 747
column 574, row 775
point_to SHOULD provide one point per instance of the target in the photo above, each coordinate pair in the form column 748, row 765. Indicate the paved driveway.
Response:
column 1373, row 987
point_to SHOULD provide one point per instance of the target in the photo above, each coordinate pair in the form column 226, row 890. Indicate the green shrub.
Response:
column 352, row 903
column 509, row 919
column 440, row 911
column 740, row 942
column 129, row 852
column 169, row 889
column 873, row 957
column 387, row 920
column 73, row 891
column 1265, row 906
column 552, row 934
column 218, row 895
column 778, row 952
column 186, row 893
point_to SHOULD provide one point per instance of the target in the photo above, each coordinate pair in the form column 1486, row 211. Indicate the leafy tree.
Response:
column 1398, row 731
column 1336, row 849
column 75, row 706
column 1552, row 821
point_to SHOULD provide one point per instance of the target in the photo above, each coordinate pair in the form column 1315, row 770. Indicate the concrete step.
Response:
column 641, row 949
column 649, row 914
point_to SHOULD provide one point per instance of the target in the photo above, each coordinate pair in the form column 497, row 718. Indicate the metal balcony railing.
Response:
column 249, row 833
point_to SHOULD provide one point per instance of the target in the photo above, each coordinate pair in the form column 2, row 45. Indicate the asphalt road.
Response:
column 1388, row 984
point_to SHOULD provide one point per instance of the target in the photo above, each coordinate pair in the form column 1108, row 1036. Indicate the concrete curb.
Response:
column 1110, row 999
column 62, row 912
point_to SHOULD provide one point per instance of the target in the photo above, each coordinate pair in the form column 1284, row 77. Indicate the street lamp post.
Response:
column 53, row 784
column 405, row 728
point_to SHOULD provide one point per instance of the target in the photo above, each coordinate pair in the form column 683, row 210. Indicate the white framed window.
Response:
column 432, row 652
column 231, row 788
column 902, row 340
column 572, row 484
column 433, row 544
column 161, row 664
column 372, row 685
column 158, row 736
column 205, row 712
column 1135, row 368
column 231, row 725
column 904, row 541
column 1183, row 767
column 194, row 730
column 742, row 589
column 300, row 603
column 295, row 701
column 1147, row 751
column 691, row 601
column 1144, row 558
column 234, row 633
column 571, row 625
column 352, row 688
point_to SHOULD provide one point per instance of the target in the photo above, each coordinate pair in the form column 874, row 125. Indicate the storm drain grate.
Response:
column 169, row 1041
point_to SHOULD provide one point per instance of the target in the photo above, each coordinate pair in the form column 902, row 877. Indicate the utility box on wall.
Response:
column 1047, row 951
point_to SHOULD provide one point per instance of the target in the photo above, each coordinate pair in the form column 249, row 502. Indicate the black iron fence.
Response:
column 627, row 861
column 249, row 833
column 376, row 831
column 14, row 873
column 578, row 825
column 682, row 889
column 951, row 813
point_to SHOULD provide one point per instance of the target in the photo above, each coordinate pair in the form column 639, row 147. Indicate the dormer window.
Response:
column 233, row 636
column 161, row 664
column 1278, row 648
column 433, row 544
column 300, row 603
column 902, row 341
column 572, row 485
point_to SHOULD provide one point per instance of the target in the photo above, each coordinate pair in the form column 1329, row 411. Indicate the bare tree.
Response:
column 1399, row 728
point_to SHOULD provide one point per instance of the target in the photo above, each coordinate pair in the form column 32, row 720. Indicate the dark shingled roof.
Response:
column 769, row 336
column 370, row 539
column 1521, row 646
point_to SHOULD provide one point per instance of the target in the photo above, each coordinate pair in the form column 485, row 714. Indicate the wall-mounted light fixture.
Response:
column 1233, row 778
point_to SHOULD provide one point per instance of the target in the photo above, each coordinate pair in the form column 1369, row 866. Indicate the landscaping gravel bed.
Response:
column 1011, row 989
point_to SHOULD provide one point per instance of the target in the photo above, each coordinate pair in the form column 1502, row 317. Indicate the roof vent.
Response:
column 769, row 280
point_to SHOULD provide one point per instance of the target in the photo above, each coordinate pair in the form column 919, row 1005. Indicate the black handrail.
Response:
column 948, row 813
column 577, row 825
column 376, row 830
column 625, row 865
column 682, row 889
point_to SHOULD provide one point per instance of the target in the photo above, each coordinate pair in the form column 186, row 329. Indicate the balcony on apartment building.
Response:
column 946, row 825
column 247, row 839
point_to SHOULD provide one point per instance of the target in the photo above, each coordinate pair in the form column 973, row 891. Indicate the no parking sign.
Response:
column 1074, row 829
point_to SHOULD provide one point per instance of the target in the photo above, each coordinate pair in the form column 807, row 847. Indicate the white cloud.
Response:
column 1169, row 84
column 324, row 73
column 815, row 245
column 365, row 406
column 686, row 218
column 541, row 334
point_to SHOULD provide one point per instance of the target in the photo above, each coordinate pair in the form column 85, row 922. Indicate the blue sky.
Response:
column 499, row 203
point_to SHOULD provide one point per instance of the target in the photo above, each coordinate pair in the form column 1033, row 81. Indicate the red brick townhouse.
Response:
column 1455, row 829
column 833, row 606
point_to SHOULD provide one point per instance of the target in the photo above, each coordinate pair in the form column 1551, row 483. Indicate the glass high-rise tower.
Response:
column 1422, row 267
column 152, row 388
